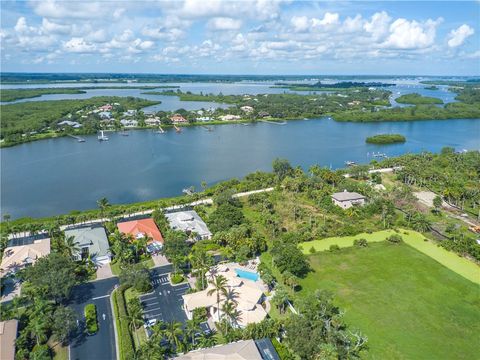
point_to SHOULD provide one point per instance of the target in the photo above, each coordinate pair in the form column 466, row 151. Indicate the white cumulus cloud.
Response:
column 458, row 36
column 224, row 23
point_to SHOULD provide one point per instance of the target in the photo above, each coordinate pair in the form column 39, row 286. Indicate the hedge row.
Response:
column 91, row 318
column 124, row 337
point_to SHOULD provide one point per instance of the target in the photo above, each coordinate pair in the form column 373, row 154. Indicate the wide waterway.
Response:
column 55, row 176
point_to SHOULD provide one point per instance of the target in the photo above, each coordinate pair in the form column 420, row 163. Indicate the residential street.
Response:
column 100, row 346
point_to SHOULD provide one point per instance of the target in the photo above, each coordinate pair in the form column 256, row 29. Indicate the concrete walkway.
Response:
column 160, row 260
column 104, row 272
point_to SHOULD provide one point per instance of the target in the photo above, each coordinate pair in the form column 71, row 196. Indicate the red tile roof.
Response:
column 144, row 226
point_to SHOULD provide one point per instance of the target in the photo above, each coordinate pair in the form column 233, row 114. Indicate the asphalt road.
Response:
column 100, row 346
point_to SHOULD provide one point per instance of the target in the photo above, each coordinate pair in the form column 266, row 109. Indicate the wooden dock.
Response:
column 78, row 138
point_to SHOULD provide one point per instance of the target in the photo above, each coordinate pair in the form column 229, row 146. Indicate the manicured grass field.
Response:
column 460, row 265
column 408, row 305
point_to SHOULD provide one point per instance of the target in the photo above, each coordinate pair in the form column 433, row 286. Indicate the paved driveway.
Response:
column 100, row 346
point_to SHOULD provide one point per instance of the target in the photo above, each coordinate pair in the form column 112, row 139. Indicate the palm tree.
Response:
column 135, row 319
column 192, row 328
column 207, row 340
column 173, row 333
column 103, row 204
column 232, row 314
column 280, row 298
column 201, row 261
column 38, row 329
column 71, row 246
column 150, row 350
column 219, row 284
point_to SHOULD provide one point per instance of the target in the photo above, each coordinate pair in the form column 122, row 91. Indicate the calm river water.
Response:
column 56, row 176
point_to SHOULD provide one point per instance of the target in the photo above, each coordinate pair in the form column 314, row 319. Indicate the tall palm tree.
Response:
column 135, row 319
column 71, row 247
column 231, row 313
column 219, row 286
column 173, row 333
column 103, row 204
column 191, row 329
column 38, row 327
column 201, row 261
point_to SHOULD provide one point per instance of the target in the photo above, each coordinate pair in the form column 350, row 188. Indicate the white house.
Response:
column 347, row 199
column 249, row 295
column 129, row 123
column 230, row 117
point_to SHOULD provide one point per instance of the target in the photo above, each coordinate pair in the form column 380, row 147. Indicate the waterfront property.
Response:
column 178, row 119
column 73, row 124
column 230, row 117
column 250, row 295
column 23, row 252
column 92, row 242
column 8, row 335
column 143, row 228
column 129, row 123
column 189, row 222
column 241, row 350
column 346, row 199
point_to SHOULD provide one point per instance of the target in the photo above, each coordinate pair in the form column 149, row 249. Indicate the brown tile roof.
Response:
column 8, row 334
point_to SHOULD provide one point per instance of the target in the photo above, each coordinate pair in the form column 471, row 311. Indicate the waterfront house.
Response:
column 263, row 114
column 143, row 228
column 178, row 119
column 72, row 124
column 204, row 118
column 129, row 123
column 8, row 335
column 262, row 349
column 22, row 252
column 189, row 222
column 247, row 286
column 130, row 113
column 92, row 242
column 346, row 199
column 247, row 109
column 152, row 121
column 105, row 115
column 230, row 117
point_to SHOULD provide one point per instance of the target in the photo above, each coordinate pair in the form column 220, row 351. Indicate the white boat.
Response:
column 102, row 137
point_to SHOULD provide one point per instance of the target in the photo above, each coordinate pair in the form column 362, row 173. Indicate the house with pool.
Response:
column 245, row 282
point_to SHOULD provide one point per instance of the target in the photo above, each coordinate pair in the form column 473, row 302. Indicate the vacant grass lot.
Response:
column 460, row 265
column 408, row 305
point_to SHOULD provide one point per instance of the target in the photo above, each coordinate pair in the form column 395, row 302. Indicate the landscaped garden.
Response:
column 410, row 306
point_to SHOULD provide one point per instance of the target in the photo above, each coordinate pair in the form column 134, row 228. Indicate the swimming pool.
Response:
column 247, row 274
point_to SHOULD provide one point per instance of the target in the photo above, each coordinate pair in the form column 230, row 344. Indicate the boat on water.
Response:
column 81, row 140
column 102, row 137
column 188, row 191
column 350, row 163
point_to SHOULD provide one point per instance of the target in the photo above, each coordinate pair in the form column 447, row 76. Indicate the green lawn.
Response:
column 461, row 266
column 408, row 305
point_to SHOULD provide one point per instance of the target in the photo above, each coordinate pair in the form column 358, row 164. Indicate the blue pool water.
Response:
column 246, row 274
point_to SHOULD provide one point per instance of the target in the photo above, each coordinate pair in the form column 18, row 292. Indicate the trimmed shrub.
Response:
column 395, row 239
column 176, row 278
column 124, row 336
column 360, row 242
column 334, row 248
column 312, row 250
column 91, row 318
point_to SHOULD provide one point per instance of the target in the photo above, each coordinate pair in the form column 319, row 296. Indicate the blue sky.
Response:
column 242, row 37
